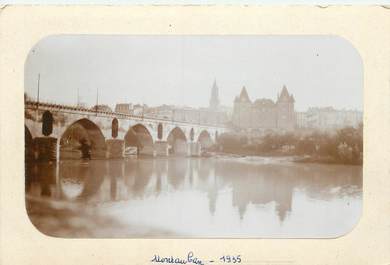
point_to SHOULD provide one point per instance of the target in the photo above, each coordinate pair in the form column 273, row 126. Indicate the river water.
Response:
column 227, row 197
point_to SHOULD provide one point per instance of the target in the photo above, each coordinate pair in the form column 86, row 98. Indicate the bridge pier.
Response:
column 193, row 149
column 147, row 150
column 180, row 148
column 45, row 148
column 115, row 148
column 161, row 148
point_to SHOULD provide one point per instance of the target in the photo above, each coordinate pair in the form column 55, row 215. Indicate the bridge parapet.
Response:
column 33, row 105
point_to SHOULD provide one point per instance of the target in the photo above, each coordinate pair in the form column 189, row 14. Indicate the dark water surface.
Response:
column 193, row 197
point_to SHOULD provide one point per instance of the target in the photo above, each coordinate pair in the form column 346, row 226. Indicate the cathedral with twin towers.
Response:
column 261, row 114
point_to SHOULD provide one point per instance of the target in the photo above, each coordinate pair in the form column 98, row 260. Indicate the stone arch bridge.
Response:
column 56, row 131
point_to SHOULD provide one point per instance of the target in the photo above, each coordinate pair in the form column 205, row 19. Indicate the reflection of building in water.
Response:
column 177, row 170
column 212, row 192
column 201, row 176
column 267, row 190
column 257, row 185
column 212, row 196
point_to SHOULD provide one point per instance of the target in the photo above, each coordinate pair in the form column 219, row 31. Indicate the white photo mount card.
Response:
column 254, row 130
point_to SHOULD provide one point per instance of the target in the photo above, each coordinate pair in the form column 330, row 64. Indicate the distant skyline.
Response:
column 319, row 71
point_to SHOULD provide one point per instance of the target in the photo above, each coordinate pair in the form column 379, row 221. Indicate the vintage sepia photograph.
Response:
column 193, row 136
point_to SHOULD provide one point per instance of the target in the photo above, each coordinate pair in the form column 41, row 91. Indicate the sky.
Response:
column 180, row 70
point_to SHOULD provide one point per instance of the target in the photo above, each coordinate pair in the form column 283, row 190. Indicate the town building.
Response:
column 328, row 118
column 139, row 109
column 215, row 114
column 125, row 108
column 200, row 115
column 264, row 114
column 160, row 112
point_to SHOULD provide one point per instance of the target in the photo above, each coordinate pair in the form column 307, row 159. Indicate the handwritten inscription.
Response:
column 230, row 259
column 191, row 259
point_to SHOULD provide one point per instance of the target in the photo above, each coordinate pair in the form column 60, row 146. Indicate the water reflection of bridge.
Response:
column 250, row 184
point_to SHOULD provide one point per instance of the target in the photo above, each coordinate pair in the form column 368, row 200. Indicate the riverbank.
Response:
column 341, row 146
column 279, row 157
column 324, row 160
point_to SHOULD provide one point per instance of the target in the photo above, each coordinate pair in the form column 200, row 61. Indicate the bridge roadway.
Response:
column 55, row 131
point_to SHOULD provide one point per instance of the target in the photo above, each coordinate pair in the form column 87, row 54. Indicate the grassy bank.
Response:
column 343, row 146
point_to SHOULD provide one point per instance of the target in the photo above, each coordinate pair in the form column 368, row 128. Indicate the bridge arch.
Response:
column 177, row 141
column 205, row 139
column 80, row 132
column 138, row 136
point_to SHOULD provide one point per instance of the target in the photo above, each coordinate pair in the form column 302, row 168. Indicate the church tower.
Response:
column 285, row 110
column 214, row 99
